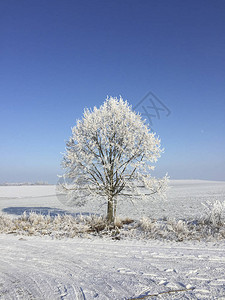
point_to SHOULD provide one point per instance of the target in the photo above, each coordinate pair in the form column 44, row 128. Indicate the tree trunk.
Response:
column 110, row 211
column 114, row 208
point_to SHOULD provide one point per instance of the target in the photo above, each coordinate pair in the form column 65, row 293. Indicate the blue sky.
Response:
column 58, row 57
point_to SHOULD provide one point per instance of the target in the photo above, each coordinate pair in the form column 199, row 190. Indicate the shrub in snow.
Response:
column 111, row 154
column 179, row 230
column 96, row 223
column 146, row 224
column 214, row 212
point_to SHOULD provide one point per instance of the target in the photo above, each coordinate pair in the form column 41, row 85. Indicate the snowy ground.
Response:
column 185, row 199
column 45, row 268
column 41, row 268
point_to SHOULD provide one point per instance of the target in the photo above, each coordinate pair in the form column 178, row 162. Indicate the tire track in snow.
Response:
column 41, row 268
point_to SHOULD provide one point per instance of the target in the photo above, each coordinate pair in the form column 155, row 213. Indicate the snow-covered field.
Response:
column 95, row 268
column 185, row 199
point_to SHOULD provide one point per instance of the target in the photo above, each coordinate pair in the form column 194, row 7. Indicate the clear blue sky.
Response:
column 57, row 57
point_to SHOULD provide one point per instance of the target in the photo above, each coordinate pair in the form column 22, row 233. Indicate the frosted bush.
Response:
column 146, row 224
column 5, row 223
column 214, row 212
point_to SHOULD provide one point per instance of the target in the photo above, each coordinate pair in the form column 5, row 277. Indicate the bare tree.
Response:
column 110, row 154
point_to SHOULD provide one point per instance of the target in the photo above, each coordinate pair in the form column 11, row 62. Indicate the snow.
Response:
column 185, row 199
column 26, row 191
column 94, row 268
column 41, row 268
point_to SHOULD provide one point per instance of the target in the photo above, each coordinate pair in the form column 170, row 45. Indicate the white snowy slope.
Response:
column 41, row 268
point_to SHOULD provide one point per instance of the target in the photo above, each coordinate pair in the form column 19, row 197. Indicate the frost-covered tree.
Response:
column 110, row 154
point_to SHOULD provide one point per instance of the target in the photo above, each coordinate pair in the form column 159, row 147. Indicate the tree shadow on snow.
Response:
column 46, row 211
